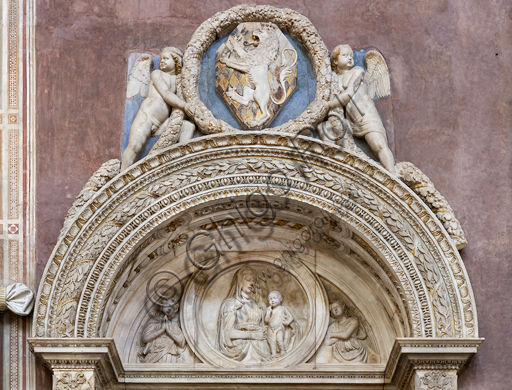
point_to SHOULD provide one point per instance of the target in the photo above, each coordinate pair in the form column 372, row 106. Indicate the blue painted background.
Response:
column 298, row 102
column 132, row 106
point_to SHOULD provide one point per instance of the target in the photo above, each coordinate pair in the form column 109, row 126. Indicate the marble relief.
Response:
column 247, row 330
column 282, row 329
column 240, row 326
column 349, row 337
column 159, row 90
column 352, row 110
column 256, row 73
column 241, row 329
column 345, row 335
column 162, row 340
column 254, row 314
column 339, row 309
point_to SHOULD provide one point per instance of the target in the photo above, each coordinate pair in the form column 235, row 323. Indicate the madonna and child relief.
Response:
column 256, row 314
column 248, row 331
column 256, row 322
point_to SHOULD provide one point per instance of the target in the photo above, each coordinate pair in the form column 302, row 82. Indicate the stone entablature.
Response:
column 413, row 364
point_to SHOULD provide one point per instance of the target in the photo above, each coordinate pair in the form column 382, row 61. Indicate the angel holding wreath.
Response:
column 353, row 91
column 160, row 90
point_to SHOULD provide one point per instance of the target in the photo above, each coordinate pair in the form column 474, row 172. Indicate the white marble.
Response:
column 258, row 257
column 18, row 298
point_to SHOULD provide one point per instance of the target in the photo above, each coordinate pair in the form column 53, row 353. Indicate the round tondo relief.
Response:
column 252, row 313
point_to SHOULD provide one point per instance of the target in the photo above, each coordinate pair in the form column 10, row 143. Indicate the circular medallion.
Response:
column 285, row 19
column 254, row 313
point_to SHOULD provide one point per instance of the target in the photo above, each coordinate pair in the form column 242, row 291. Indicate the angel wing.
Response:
column 140, row 77
column 377, row 75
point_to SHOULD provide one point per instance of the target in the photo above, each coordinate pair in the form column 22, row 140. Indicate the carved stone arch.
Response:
column 126, row 294
column 391, row 235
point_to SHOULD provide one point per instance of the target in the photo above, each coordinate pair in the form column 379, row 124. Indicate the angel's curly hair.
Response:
column 342, row 304
column 176, row 55
column 335, row 54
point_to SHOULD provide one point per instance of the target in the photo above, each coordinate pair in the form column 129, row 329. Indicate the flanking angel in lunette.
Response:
column 351, row 105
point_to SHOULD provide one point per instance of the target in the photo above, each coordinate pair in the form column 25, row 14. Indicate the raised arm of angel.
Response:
column 159, row 89
column 354, row 93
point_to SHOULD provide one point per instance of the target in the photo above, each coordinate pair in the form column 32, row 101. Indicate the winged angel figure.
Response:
column 351, row 104
column 159, row 89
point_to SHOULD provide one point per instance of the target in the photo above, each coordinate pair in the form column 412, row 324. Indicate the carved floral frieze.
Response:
column 142, row 198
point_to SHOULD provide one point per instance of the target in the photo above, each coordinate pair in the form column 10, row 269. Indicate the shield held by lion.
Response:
column 256, row 73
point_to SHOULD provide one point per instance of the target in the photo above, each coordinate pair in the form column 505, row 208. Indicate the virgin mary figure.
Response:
column 241, row 330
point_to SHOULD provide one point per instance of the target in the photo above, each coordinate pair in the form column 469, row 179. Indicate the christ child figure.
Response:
column 282, row 329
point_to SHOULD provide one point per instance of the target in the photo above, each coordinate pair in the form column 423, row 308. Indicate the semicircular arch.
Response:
column 126, row 214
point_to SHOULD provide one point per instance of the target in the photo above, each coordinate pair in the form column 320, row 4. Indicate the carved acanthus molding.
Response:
column 73, row 380
column 424, row 188
column 107, row 171
column 156, row 186
column 437, row 380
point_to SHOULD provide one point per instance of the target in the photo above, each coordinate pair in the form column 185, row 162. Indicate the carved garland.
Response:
column 224, row 22
column 185, row 177
column 115, row 253
column 110, row 228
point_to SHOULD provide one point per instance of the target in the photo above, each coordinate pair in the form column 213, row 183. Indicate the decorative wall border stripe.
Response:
column 18, row 167
column 13, row 174
column 13, row 54
column 14, row 320
column 13, row 352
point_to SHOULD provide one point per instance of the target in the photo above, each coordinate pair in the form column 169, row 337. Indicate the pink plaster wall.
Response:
column 450, row 113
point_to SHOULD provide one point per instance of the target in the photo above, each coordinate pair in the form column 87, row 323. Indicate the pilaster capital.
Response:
column 427, row 363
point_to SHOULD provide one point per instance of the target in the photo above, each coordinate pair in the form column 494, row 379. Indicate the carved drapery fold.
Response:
column 18, row 298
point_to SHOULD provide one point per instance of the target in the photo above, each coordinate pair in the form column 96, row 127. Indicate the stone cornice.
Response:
column 407, row 356
column 98, row 354
column 411, row 354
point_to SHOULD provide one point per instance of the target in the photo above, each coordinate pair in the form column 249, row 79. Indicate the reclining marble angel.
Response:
column 159, row 89
column 353, row 91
